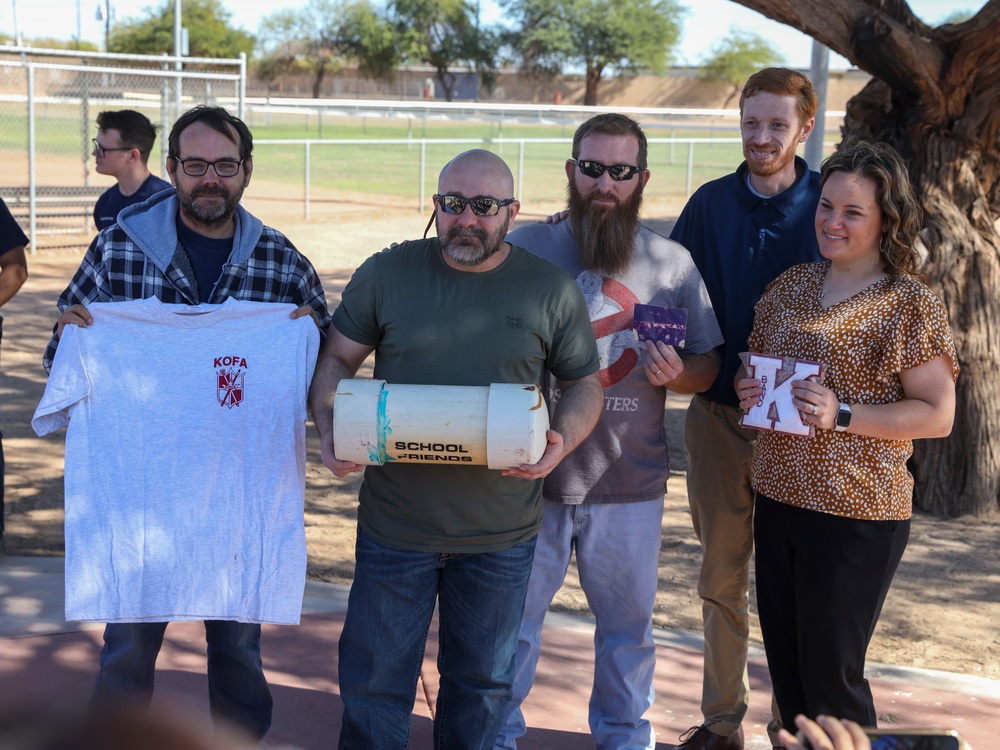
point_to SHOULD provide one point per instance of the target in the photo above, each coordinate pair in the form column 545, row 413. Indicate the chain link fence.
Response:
column 49, row 101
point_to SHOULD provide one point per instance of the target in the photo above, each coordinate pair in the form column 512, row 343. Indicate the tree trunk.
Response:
column 961, row 474
column 447, row 80
column 954, row 179
column 934, row 98
column 593, row 81
column 318, row 79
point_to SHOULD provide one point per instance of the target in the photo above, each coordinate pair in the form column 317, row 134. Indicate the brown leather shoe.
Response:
column 703, row 738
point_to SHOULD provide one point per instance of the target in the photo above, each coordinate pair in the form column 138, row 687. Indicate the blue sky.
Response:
column 702, row 27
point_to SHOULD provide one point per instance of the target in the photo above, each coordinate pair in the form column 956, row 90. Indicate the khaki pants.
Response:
column 722, row 501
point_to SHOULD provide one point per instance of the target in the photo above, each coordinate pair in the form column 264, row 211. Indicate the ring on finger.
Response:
column 658, row 371
column 815, row 410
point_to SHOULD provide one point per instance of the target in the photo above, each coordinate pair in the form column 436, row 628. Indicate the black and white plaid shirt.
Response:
column 115, row 269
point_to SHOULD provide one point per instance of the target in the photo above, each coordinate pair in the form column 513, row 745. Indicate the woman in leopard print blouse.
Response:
column 833, row 509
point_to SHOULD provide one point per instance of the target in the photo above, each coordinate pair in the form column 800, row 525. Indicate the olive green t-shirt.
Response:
column 431, row 324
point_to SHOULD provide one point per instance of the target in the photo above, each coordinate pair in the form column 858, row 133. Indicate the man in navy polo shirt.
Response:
column 742, row 230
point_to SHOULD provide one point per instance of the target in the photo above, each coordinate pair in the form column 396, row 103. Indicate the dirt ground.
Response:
column 941, row 613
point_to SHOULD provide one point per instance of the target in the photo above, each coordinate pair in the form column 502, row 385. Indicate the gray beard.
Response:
column 605, row 237
column 470, row 255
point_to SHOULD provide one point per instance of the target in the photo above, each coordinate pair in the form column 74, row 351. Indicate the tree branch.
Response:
column 985, row 20
column 882, row 37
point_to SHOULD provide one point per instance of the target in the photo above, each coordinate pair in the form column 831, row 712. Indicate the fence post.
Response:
column 690, row 169
column 423, row 171
column 520, row 167
column 243, row 86
column 178, row 89
column 307, row 182
column 32, row 186
column 85, row 125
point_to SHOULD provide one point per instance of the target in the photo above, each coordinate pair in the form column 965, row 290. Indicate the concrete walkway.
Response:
column 45, row 660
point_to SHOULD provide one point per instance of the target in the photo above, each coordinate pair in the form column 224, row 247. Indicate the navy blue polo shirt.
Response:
column 741, row 242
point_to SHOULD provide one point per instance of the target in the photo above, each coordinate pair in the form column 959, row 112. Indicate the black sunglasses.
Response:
column 481, row 205
column 595, row 169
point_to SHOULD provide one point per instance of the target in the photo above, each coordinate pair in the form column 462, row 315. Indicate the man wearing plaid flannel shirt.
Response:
column 193, row 245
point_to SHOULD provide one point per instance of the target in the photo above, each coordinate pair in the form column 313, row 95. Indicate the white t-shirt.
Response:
column 185, row 460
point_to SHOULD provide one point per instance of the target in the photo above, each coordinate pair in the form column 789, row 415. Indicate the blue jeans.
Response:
column 237, row 690
column 480, row 599
column 617, row 555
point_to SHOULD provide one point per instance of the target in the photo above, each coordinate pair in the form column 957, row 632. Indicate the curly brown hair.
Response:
column 901, row 211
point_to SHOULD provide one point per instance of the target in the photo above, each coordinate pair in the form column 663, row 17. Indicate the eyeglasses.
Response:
column 481, row 205
column 103, row 151
column 198, row 167
column 617, row 172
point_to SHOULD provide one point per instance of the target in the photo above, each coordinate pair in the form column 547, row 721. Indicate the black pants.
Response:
column 821, row 583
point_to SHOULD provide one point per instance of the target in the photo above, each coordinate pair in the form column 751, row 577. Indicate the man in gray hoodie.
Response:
column 192, row 245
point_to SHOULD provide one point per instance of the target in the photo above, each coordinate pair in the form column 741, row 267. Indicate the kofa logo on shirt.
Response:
column 230, row 372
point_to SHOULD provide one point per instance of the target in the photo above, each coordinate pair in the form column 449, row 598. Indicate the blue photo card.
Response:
column 655, row 323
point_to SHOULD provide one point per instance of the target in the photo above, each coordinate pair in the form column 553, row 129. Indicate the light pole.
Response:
column 479, row 43
column 106, row 17
column 17, row 36
column 820, row 73
column 178, row 51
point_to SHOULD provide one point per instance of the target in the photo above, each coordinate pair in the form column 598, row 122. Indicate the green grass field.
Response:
column 395, row 170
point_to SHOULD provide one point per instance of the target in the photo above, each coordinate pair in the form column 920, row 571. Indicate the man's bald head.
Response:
column 477, row 167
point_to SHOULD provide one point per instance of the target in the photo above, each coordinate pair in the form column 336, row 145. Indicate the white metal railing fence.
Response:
column 422, row 177
column 685, row 134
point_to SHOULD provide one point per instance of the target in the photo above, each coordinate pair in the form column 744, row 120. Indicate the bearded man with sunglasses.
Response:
column 606, row 500
column 464, row 308
column 188, row 246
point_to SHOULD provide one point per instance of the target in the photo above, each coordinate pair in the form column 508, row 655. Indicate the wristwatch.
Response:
column 844, row 415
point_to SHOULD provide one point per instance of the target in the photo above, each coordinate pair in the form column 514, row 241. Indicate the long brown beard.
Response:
column 604, row 236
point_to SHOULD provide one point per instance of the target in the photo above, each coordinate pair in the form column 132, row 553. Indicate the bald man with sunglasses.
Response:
column 464, row 308
column 605, row 502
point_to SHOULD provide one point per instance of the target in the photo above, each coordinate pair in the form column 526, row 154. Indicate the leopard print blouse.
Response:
column 895, row 324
